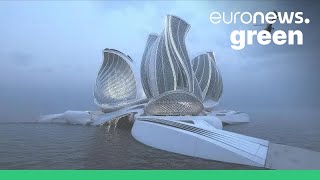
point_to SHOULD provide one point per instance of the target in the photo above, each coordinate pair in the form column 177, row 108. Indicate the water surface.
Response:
column 63, row 146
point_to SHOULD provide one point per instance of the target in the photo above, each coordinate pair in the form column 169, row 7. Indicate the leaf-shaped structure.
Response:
column 165, row 64
column 208, row 76
column 166, row 72
column 116, row 84
column 145, row 65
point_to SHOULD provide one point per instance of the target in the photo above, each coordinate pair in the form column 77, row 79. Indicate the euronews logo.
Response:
column 241, row 38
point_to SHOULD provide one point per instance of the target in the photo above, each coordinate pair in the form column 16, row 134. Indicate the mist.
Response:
column 51, row 52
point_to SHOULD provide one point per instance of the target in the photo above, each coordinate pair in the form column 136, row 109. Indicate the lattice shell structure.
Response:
column 208, row 76
column 116, row 83
column 174, row 103
column 145, row 62
column 165, row 64
column 166, row 71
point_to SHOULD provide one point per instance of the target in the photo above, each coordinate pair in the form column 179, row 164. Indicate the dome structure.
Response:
column 174, row 103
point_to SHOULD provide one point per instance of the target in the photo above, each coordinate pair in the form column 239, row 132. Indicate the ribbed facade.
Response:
column 208, row 76
column 116, row 83
column 145, row 63
column 173, row 83
column 166, row 62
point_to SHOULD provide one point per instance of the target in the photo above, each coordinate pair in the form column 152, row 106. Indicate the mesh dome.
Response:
column 174, row 103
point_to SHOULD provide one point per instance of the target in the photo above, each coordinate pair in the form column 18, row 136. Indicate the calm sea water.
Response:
column 62, row 146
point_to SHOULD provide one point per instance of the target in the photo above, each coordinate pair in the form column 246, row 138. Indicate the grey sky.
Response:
column 51, row 51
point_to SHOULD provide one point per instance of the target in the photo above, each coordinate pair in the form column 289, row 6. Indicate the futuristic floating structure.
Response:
column 179, row 112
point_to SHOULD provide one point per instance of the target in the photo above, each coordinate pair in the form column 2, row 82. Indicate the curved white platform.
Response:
column 230, row 117
column 136, row 109
column 71, row 117
column 188, row 139
column 96, row 118
column 206, row 122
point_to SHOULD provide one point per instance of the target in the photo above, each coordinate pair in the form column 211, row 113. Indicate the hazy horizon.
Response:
column 51, row 52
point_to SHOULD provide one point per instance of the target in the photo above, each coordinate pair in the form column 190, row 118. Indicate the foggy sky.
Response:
column 50, row 52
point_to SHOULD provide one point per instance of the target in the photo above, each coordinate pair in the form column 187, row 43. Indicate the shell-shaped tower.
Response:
column 116, row 83
column 208, row 76
column 144, row 67
column 165, row 64
column 167, row 75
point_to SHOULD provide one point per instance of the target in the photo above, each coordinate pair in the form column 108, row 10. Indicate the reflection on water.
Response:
column 60, row 146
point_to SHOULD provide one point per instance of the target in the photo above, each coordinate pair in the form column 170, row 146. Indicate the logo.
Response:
column 241, row 38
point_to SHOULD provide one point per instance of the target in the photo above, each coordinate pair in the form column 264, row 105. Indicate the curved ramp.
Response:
column 105, row 118
column 188, row 139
